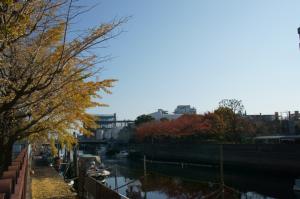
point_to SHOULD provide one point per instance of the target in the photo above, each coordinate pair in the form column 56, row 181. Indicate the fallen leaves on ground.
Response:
column 47, row 184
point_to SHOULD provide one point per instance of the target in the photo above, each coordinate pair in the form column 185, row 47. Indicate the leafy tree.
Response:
column 164, row 119
column 227, row 117
column 183, row 126
column 143, row 119
column 215, row 126
column 236, row 106
column 45, row 76
column 234, row 126
column 126, row 134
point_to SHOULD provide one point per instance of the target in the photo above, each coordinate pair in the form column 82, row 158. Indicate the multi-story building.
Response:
column 162, row 114
column 185, row 109
column 260, row 117
column 284, row 123
column 108, row 128
column 179, row 111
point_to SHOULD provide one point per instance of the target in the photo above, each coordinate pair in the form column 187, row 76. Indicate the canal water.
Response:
column 165, row 181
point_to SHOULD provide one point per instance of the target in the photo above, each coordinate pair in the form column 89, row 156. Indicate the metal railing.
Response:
column 90, row 188
column 94, row 189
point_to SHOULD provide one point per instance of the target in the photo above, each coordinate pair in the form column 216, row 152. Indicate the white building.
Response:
column 162, row 114
column 112, row 133
column 108, row 128
column 185, row 109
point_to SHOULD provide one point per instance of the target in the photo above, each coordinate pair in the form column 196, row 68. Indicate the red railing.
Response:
column 13, row 180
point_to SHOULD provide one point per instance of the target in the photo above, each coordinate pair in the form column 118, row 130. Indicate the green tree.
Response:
column 164, row 119
column 143, row 119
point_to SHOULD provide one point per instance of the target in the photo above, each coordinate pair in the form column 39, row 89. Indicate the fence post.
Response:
column 116, row 180
column 145, row 166
column 221, row 170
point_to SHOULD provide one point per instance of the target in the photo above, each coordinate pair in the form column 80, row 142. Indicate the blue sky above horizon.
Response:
column 198, row 52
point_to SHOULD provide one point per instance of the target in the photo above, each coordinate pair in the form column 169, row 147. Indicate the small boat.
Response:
column 104, row 172
column 99, row 175
column 122, row 154
column 297, row 185
column 98, row 172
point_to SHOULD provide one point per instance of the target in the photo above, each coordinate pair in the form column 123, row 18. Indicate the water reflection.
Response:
column 169, row 182
column 161, row 187
column 175, row 187
column 253, row 195
column 134, row 189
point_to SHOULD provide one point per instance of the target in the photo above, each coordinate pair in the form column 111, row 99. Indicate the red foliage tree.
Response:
column 183, row 126
column 210, row 126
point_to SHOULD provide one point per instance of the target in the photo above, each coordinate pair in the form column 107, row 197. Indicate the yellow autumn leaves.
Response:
column 46, row 78
column 47, row 184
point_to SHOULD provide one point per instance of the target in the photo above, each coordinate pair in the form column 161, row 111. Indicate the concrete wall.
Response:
column 277, row 157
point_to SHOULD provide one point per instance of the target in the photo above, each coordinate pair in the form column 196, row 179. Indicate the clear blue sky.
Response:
column 198, row 52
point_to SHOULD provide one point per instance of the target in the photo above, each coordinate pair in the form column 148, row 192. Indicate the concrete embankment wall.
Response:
column 272, row 157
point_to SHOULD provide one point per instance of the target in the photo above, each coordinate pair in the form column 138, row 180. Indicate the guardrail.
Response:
column 90, row 188
column 13, row 180
column 94, row 189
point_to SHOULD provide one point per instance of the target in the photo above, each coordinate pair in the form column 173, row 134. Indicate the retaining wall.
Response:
column 277, row 157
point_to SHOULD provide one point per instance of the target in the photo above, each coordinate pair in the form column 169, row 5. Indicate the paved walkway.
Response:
column 47, row 184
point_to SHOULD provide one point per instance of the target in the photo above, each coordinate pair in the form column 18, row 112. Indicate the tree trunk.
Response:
column 5, row 156
column 1, row 159
column 6, row 141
